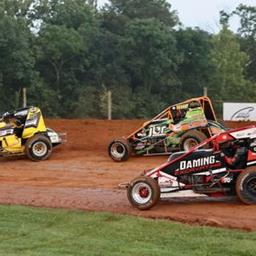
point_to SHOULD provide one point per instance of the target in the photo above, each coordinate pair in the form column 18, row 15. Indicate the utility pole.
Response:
column 205, row 91
column 24, row 97
column 109, row 105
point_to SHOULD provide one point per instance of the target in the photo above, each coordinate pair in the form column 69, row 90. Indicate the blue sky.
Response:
column 203, row 13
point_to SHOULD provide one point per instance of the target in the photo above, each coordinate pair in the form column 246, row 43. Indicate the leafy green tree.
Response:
column 16, row 8
column 17, row 60
column 147, row 105
column 194, row 71
column 87, row 104
column 59, row 47
column 69, row 13
column 118, row 12
column 247, row 31
column 247, row 15
column 139, row 51
column 228, row 81
column 247, row 35
column 68, row 54
column 64, row 41
column 151, row 56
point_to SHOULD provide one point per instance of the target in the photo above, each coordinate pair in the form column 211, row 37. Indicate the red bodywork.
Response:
column 215, row 142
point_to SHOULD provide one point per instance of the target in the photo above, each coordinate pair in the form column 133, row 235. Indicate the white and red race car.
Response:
column 221, row 165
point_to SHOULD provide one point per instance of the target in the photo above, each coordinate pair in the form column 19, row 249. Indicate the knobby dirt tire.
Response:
column 151, row 184
column 196, row 136
column 38, row 140
column 246, row 186
column 119, row 150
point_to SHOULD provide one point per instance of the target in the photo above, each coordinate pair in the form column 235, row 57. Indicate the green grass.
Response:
column 32, row 231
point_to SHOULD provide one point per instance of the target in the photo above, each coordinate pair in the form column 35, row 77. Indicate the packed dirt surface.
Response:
column 80, row 175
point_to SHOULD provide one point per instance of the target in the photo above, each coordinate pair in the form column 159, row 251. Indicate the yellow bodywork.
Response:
column 39, row 127
column 10, row 142
column 2, row 124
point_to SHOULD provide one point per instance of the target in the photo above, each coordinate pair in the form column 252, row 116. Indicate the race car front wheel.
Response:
column 119, row 150
column 38, row 148
column 143, row 192
column 246, row 186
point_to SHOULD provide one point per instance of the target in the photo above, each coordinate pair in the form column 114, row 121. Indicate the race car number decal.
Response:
column 156, row 130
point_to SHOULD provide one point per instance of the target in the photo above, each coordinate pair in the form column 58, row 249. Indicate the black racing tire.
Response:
column 246, row 186
column 38, row 147
column 119, row 150
column 143, row 192
column 192, row 138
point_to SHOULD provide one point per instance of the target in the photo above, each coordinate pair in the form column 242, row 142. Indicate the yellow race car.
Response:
column 23, row 132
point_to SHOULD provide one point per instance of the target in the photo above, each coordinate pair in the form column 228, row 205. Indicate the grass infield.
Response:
column 34, row 231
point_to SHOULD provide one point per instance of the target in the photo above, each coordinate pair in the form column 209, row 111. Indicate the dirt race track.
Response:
column 80, row 175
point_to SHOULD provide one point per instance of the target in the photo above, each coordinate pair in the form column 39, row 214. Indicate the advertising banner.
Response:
column 239, row 111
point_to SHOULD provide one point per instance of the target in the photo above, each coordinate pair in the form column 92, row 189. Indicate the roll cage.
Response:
column 173, row 111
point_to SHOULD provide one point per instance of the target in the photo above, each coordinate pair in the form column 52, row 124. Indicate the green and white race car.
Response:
column 179, row 127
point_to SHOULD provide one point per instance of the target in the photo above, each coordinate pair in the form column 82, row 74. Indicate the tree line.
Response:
column 68, row 54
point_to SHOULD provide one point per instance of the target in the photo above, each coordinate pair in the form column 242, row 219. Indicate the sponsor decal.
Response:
column 247, row 133
column 188, row 166
column 236, row 111
column 226, row 179
column 6, row 132
column 242, row 114
column 182, row 106
column 157, row 130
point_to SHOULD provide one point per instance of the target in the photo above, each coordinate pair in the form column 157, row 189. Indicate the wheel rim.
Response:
column 190, row 143
column 118, row 150
column 141, row 193
column 251, row 186
column 39, row 148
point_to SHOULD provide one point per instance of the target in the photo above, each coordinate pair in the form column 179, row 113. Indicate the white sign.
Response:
column 239, row 111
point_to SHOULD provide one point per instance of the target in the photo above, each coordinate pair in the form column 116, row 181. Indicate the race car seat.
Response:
column 238, row 159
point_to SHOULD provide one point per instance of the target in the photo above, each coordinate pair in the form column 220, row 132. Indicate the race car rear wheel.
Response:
column 246, row 186
column 143, row 192
column 119, row 150
column 38, row 148
column 191, row 139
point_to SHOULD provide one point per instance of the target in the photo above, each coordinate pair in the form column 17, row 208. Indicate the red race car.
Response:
column 227, row 167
